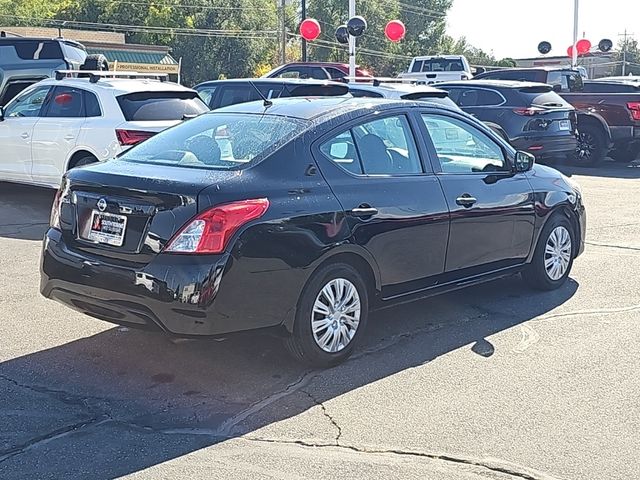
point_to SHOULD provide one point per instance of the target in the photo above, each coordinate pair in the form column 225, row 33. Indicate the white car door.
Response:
column 16, row 133
column 57, row 134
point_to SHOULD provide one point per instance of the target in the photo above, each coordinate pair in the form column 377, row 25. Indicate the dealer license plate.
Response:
column 565, row 125
column 107, row 228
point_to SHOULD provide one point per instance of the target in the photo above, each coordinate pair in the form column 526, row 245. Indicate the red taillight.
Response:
column 128, row 138
column 635, row 110
column 211, row 230
column 529, row 112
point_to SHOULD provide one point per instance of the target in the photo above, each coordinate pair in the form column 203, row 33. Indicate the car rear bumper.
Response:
column 549, row 146
column 179, row 294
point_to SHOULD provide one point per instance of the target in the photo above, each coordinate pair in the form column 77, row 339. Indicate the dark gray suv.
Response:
column 25, row 61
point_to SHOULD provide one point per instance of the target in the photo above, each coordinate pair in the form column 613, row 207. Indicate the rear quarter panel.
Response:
column 612, row 107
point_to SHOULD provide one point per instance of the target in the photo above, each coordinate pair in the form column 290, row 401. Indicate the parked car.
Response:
column 25, row 61
column 608, row 123
column 530, row 116
column 221, row 93
column 401, row 91
column 58, row 124
column 438, row 68
column 326, row 208
column 315, row 70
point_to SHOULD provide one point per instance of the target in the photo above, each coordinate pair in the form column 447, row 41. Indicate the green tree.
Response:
column 632, row 57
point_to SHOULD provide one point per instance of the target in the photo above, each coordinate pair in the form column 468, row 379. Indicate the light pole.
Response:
column 574, row 54
column 352, row 42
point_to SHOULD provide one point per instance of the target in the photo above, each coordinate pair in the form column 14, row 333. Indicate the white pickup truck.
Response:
column 438, row 68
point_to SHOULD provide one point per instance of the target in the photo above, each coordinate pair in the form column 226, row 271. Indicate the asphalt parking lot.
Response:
column 491, row 382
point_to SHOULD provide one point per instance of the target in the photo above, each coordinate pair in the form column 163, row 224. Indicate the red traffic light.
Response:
column 310, row 29
column 395, row 30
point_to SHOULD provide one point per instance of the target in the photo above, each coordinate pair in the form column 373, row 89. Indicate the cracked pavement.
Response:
column 492, row 382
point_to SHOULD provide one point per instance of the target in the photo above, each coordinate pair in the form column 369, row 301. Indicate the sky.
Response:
column 513, row 28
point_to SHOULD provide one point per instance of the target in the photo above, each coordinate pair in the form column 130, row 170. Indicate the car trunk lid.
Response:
column 128, row 211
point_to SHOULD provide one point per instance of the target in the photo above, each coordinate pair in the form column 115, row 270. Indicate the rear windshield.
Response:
column 543, row 96
column 438, row 65
column 160, row 106
column 218, row 141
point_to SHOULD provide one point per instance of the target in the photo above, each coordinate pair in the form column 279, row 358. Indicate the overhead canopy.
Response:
column 138, row 60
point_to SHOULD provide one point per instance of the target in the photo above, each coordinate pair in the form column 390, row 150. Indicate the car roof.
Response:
column 276, row 81
column 447, row 57
column 118, row 86
column 305, row 108
column 396, row 88
column 542, row 68
column 492, row 83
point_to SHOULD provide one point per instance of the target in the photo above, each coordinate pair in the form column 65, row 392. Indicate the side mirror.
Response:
column 557, row 88
column 1, row 114
column 524, row 161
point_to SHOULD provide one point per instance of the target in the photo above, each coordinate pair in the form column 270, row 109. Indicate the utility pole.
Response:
column 574, row 56
column 352, row 42
column 625, row 47
column 283, row 34
column 304, row 42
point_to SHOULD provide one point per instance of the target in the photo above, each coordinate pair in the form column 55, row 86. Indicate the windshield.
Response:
column 218, row 141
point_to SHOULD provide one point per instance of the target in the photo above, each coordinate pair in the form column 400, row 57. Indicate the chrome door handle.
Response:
column 25, row 135
column 69, row 137
column 364, row 211
column 466, row 200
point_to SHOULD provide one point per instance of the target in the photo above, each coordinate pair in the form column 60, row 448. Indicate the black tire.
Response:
column 536, row 274
column 592, row 146
column 626, row 155
column 97, row 62
column 301, row 344
column 86, row 159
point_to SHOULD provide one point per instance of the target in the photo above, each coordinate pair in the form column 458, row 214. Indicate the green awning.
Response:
column 133, row 56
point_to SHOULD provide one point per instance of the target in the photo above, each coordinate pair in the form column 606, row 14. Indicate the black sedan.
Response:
column 531, row 116
column 301, row 215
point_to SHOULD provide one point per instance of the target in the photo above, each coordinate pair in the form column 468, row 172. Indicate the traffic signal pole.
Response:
column 352, row 42
column 574, row 56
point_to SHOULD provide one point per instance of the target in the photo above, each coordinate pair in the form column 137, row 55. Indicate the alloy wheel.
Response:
column 586, row 146
column 336, row 315
column 557, row 253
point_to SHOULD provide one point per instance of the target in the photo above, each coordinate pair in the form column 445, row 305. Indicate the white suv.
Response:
column 58, row 124
column 400, row 90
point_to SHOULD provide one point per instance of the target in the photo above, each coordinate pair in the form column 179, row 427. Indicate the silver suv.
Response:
column 25, row 61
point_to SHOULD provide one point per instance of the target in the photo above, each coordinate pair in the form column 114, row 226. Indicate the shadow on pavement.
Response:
column 24, row 211
column 608, row 169
column 123, row 400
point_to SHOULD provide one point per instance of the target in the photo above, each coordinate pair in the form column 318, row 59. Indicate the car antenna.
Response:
column 265, row 101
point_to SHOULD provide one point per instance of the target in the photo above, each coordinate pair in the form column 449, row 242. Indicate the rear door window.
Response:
column 91, row 105
column 160, row 106
column 237, row 93
column 66, row 102
column 382, row 147
column 479, row 97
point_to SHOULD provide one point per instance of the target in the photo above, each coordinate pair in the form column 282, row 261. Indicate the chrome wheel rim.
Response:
column 557, row 253
column 585, row 147
column 336, row 315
